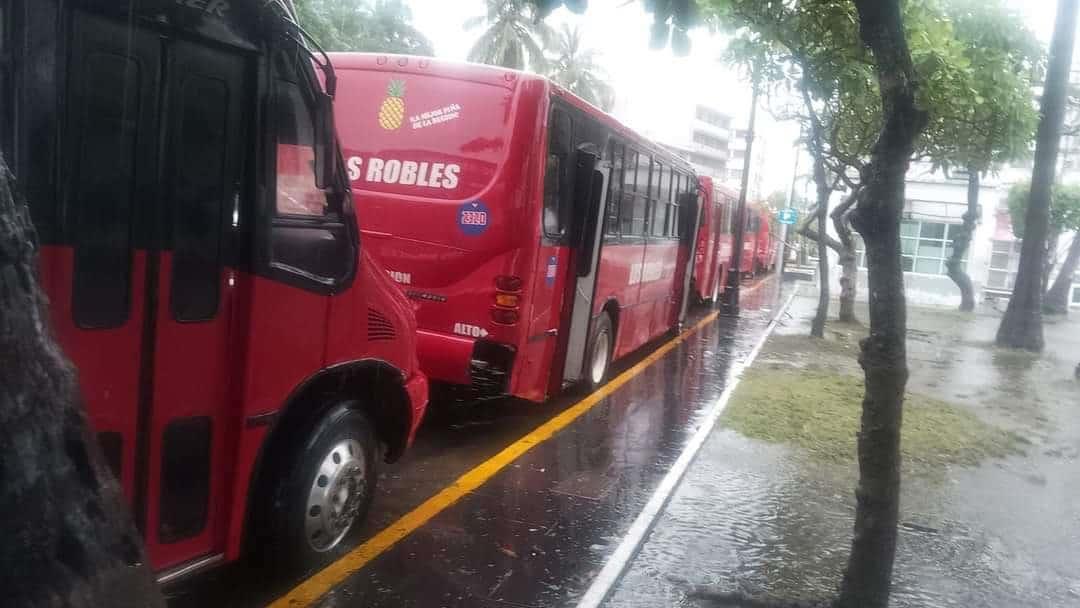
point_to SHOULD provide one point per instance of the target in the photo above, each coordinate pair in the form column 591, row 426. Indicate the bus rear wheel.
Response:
column 600, row 348
column 323, row 497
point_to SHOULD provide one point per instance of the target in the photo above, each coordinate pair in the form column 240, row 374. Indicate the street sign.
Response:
column 787, row 216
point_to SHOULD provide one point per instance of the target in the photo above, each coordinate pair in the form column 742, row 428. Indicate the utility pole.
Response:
column 782, row 251
column 729, row 304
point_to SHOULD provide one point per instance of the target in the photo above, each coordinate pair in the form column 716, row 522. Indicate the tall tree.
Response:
column 994, row 120
column 68, row 536
column 1064, row 217
column 514, row 38
column 574, row 67
column 358, row 25
column 1021, row 327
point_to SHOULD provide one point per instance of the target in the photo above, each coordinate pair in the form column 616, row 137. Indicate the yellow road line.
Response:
column 310, row 590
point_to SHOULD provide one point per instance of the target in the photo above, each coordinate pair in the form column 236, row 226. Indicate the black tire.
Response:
column 343, row 435
column 603, row 327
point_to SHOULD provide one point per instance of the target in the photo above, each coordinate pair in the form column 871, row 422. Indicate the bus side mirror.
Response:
column 325, row 143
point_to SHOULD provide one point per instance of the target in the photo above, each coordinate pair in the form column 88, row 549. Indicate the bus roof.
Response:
column 494, row 75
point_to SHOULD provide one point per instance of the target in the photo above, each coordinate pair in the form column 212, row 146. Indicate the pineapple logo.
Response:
column 392, row 110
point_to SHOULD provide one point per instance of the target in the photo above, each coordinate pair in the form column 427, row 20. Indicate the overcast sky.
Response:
column 655, row 89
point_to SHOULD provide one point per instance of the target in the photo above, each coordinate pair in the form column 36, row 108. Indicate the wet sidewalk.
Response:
column 764, row 517
column 539, row 529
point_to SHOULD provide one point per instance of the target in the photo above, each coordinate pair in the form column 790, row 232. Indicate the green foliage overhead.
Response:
column 515, row 36
column 574, row 67
column 987, row 113
column 1064, row 207
column 974, row 60
column 378, row 26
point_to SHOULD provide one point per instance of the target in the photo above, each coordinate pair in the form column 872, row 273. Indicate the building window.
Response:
column 925, row 246
column 711, row 117
column 715, row 164
column 738, row 154
column 709, row 140
column 1004, row 260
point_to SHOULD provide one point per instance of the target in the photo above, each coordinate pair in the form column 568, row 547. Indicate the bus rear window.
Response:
column 421, row 135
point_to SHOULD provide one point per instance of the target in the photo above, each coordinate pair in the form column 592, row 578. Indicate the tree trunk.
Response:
column 849, row 268
column 1021, row 326
column 1057, row 299
column 954, row 266
column 67, row 535
column 1051, row 256
column 817, row 327
column 883, row 356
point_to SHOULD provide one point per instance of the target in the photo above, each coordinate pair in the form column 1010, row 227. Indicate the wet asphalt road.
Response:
column 536, row 533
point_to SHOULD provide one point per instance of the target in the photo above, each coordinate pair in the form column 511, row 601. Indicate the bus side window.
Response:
column 640, row 208
column 626, row 195
column 679, row 183
column 662, row 198
column 310, row 242
column 297, row 193
column 556, row 187
column 615, row 181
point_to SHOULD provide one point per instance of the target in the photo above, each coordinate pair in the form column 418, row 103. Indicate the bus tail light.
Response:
column 506, row 300
column 508, row 283
column 504, row 316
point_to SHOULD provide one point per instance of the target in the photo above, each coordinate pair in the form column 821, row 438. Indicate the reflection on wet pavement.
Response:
column 764, row 518
column 536, row 533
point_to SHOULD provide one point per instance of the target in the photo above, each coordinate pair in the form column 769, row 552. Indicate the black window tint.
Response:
column 626, row 198
column 556, row 190
column 102, row 194
column 614, row 188
column 185, row 478
column 639, row 211
column 662, row 188
column 679, row 185
column 198, row 189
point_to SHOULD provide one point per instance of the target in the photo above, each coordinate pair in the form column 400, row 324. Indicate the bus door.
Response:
column 156, row 131
column 590, row 184
column 690, row 220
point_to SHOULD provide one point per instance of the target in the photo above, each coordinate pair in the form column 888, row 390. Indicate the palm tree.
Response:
column 514, row 37
column 575, row 68
column 356, row 25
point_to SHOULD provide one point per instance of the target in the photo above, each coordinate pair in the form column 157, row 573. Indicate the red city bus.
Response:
column 759, row 248
column 540, row 238
column 712, row 254
column 240, row 358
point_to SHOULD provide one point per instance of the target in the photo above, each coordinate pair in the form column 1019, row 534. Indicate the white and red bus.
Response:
column 759, row 246
column 539, row 238
column 242, row 360
column 712, row 253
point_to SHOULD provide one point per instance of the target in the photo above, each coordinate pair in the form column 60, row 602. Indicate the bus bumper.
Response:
column 417, row 390
column 482, row 366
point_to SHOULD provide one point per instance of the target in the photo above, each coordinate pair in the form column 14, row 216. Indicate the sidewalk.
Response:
column 767, row 517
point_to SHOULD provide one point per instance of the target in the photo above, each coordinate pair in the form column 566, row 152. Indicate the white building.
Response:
column 716, row 146
column 933, row 210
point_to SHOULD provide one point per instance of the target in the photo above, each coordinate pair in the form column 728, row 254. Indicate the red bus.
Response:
column 241, row 358
column 712, row 253
column 759, row 246
column 540, row 238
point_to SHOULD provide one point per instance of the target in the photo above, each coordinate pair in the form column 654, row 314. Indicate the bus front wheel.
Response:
column 320, row 502
column 600, row 348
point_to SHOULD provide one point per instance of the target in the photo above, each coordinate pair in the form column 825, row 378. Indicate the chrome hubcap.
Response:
column 336, row 495
column 600, row 356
